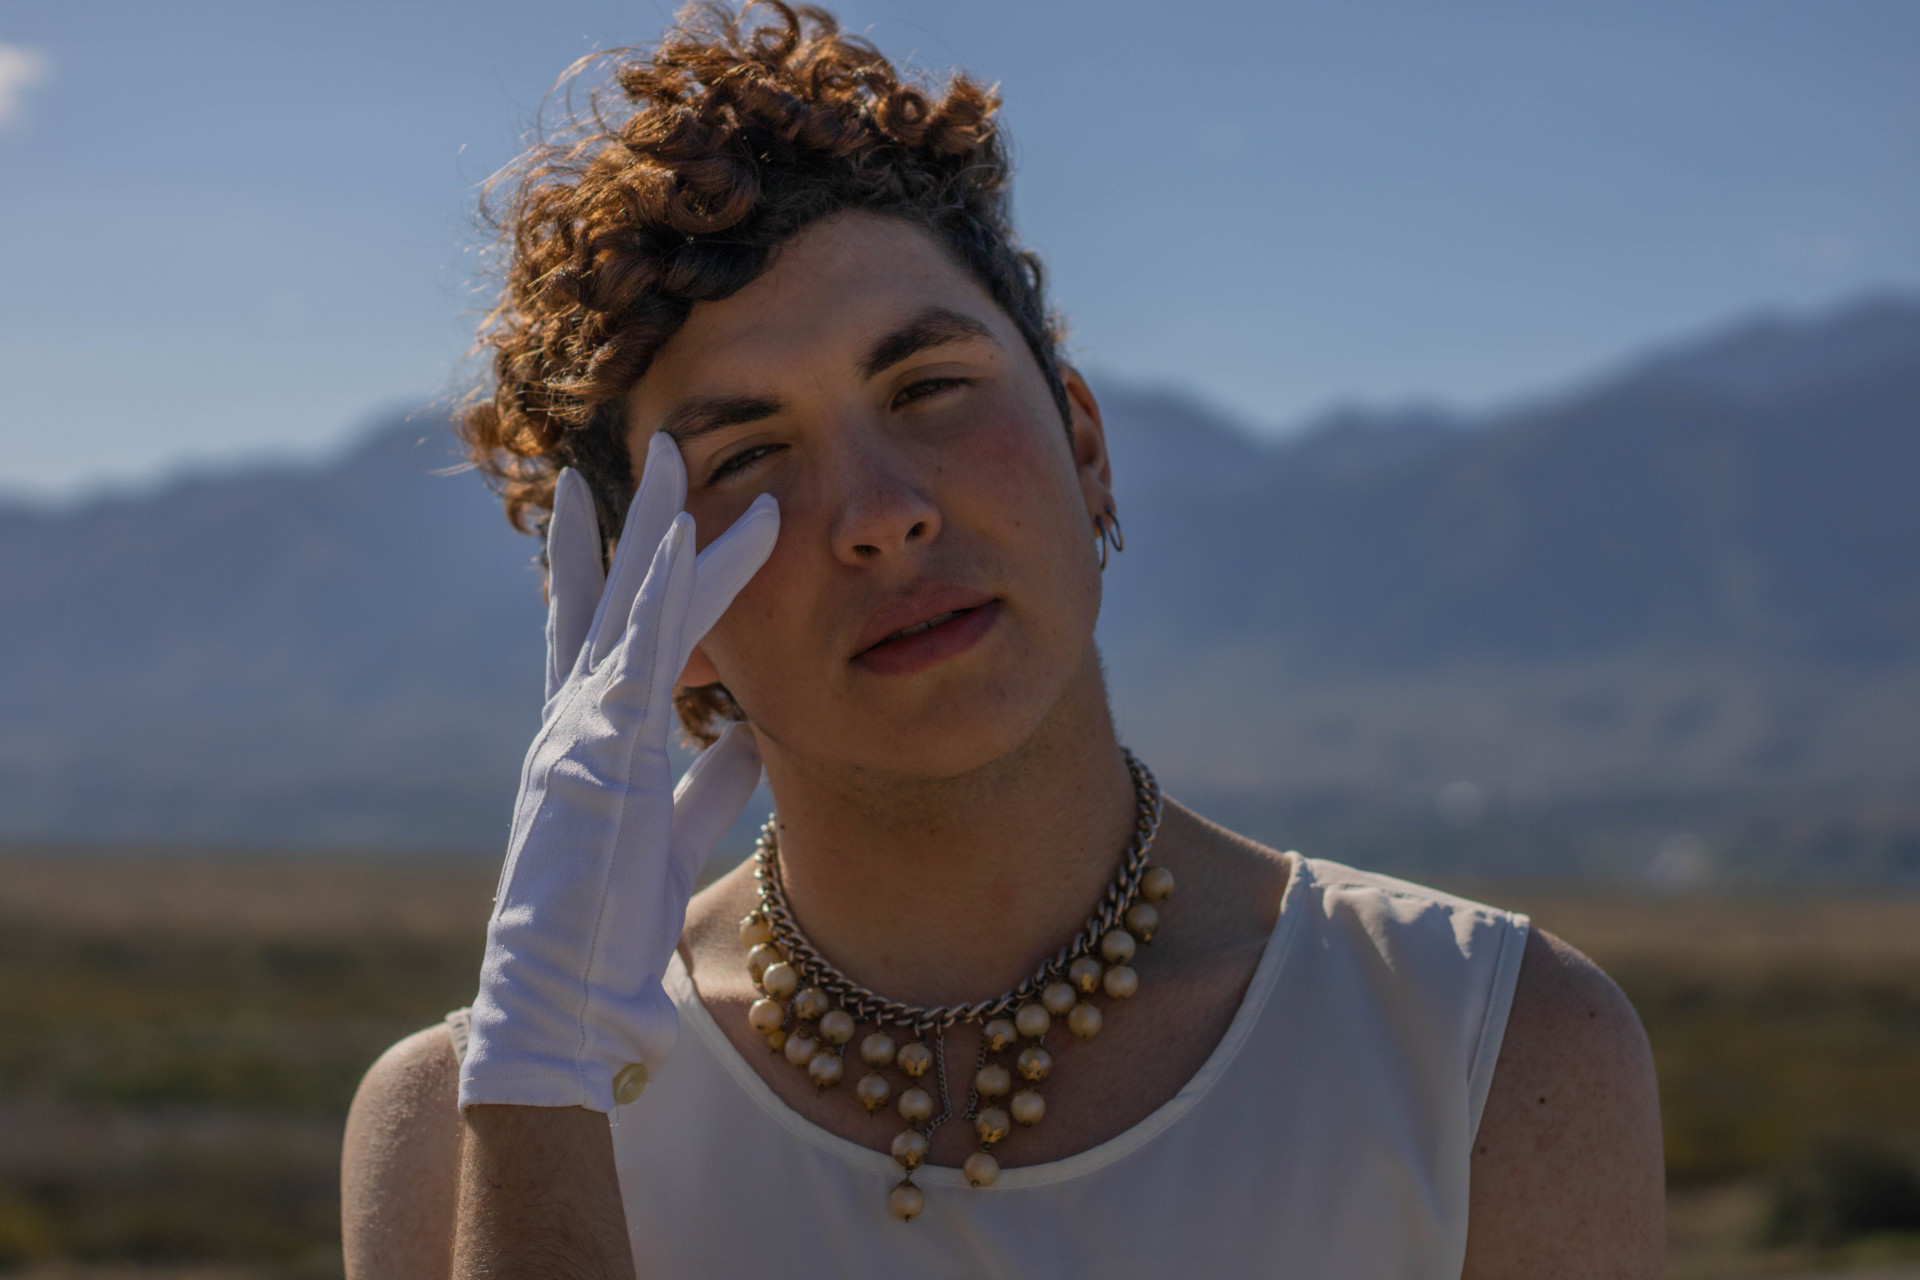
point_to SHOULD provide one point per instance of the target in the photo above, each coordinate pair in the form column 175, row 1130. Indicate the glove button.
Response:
column 630, row 1083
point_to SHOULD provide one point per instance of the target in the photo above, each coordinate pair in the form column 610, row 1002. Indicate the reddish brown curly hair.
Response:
column 695, row 162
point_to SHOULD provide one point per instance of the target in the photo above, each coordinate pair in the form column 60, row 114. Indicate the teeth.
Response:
column 928, row 625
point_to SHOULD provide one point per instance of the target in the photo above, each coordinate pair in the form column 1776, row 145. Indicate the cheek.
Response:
column 1010, row 467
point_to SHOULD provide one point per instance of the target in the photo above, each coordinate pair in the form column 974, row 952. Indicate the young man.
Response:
column 772, row 313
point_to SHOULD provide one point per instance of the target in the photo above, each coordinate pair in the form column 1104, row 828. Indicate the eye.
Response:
column 741, row 461
column 926, row 387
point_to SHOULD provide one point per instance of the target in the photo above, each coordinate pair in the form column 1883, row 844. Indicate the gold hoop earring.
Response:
column 1107, row 527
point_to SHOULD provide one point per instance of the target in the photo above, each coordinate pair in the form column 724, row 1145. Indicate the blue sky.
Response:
column 229, row 230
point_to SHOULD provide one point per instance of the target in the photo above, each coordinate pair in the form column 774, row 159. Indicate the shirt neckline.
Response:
column 694, row 1012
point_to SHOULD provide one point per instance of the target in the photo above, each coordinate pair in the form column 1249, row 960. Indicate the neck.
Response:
column 951, row 890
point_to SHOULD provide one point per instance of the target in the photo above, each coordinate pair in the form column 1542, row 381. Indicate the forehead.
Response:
column 826, row 294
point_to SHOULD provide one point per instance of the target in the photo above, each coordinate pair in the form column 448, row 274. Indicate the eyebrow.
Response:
column 697, row 418
column 933, row 327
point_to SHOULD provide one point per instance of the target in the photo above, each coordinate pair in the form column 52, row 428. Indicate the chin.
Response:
column 957, row 728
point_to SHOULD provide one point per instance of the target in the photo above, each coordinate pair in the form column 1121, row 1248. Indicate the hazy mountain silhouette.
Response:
column 1683, row 597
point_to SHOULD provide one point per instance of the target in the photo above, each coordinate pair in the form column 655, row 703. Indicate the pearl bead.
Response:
column 916, row 1106
column 877, row 1049
column 1084, row 1021
column 836, row 1026
column 992, row 1081
column 1157, row 884
column 766, row 1015
column 992, row 1125
column 981, row 1169
column 1117, row 947
column 780, row 980
column 1028, row 1107
column 1032, row 1020
column 800, row 1049
column 754, row 929
column 873, row 1091
column 1058, row 998
column 759, row 957
column 1084, row 973
column 1035, row 1063
column 999, row 1034
column 826, row 1070
column 1143, row 920
column 906, row 1201
column 910, row 1148
column 628, row 1085
column 776, row 1039
column 810, row 1004
column 914, row 1059
column 1122, row 982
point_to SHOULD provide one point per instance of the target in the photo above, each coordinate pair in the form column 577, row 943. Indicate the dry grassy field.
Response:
column 179, row 1039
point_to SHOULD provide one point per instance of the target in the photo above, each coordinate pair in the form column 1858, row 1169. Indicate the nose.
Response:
column 883, row 509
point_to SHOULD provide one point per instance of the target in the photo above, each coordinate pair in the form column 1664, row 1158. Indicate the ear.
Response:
column 1087, row 436
column 699, row 670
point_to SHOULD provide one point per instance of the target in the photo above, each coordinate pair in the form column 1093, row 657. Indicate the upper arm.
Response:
column 399, row 1166
column 1567, row 1175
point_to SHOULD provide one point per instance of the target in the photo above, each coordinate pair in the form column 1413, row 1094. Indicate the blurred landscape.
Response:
column 1641, row 658
column 183, row 1036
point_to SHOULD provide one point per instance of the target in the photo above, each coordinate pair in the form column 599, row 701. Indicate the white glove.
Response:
column 604, row 852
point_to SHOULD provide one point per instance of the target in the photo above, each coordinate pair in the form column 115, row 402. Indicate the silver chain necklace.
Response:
column 827, row 1006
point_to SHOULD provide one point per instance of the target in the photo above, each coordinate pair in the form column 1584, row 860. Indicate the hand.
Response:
column 604, row 852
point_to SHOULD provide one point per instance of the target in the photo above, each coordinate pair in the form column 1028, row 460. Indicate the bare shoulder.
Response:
column 1567, row 1174
column 399, row 1165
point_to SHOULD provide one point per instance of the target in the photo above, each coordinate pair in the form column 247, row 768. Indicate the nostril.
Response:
column 865, row 549
column 918, row 530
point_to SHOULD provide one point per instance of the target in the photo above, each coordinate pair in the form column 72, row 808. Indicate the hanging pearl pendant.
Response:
column 873, row 1091
column 766, row 1015
column 981, row 1169
column 1032, row 1021
column 1157, row 884
column 992, row 1081
column 914, row 1060
column 760, row 957
column 877, row 1050
column 800, row 1049
column 906, row 1201
column 910, row 1148
column 1142, row 920
column 916, row 1106
column 1084, row 1021
column 1034, row 1063
column 1084, row 973
column 754, row 930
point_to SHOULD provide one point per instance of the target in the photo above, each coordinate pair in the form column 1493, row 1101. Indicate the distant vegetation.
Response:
column 182, row 1037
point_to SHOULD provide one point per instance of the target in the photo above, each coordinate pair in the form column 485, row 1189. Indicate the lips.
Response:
column 921, row 628
column 917, row 634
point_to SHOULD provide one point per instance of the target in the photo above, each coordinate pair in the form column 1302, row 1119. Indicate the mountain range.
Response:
column 1665, row 622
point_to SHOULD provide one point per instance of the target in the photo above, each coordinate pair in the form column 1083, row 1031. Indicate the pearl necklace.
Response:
column 809, row 1010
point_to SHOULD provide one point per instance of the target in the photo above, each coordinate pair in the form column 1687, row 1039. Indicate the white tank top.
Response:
column 1328, row 1135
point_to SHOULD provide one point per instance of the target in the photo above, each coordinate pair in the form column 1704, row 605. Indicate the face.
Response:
column 932, row 595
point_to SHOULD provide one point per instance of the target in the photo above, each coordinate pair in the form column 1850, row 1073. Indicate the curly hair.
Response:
column 695, row 162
